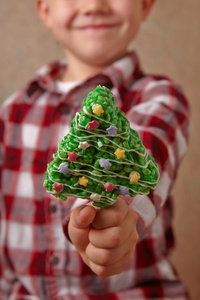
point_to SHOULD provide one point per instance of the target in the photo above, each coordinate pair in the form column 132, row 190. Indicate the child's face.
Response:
column 94, row 31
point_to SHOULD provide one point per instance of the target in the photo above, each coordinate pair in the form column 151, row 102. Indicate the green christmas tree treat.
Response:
column 101, row 157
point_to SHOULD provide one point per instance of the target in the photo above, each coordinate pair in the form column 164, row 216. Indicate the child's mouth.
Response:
column 97, row 27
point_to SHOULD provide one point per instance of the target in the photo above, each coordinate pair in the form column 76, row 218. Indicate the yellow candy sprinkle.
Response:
column 120, row 153
column 83, row 181
column 97, row 109
column 134, row 177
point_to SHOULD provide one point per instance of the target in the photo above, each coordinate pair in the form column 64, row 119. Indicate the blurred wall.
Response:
column 169, row 44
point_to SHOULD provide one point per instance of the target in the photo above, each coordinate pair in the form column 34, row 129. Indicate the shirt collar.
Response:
column 122, row 72
column 120, row 76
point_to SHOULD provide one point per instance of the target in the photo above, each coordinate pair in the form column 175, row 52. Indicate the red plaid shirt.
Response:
column 37, row 261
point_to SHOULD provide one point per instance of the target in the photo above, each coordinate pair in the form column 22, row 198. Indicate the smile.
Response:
column 97, row 26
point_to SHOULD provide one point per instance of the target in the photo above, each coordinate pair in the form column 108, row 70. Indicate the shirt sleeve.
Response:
column 10, row 286
column 160, row 113
column 1, row 226
column 6, row 276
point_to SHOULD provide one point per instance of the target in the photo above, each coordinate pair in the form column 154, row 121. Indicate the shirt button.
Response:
column 54, row 260
column 52, row 208
column 65, row 110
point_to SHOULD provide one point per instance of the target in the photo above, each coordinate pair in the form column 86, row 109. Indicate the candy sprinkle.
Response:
column 109, row 187
column 72, row 156
column 93, row 125
column 57, row 187
column 97, row 109
column 83, row 181
column 134, row 177
column 120, row 153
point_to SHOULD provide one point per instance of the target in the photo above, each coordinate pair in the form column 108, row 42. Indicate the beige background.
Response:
column 169, row 43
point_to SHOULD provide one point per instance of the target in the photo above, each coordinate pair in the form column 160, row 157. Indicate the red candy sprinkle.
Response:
column 57, row 187
column 109, row 187
column 72, row 156
column 93, row 125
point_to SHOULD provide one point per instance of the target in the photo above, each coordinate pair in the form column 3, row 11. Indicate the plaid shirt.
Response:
column 37, row 261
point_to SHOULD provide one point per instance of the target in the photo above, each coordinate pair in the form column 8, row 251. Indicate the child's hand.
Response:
column 105, row 238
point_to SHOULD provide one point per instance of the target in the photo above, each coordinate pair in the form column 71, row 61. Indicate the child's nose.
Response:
column 94, row 6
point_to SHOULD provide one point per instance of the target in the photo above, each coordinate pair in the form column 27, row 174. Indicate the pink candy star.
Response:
column 109, row 187
column 72, row 156
column 93, row 125
column 57, row 187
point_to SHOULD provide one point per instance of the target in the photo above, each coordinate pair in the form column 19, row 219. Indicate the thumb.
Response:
column 83, row 216
column 79, row 226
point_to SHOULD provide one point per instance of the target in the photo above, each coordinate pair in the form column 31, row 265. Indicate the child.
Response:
column 120, row 252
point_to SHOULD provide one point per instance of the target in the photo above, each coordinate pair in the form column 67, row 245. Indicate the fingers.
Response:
column 111, row 249
column 111, row 216
column 107, row 257
column 112, row 269
column 108, row 262
column 108, row 237
column 105, row 238
column 80, row 225
column 111, row 237
column 82, row 216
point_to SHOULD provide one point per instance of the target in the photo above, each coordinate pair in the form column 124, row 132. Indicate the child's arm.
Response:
column 161, row 117
column 105, row 238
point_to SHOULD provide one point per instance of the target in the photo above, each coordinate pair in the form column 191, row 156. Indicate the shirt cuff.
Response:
column 145, row 210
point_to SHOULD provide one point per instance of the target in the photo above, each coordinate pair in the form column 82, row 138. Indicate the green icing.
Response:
column 101, row 146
